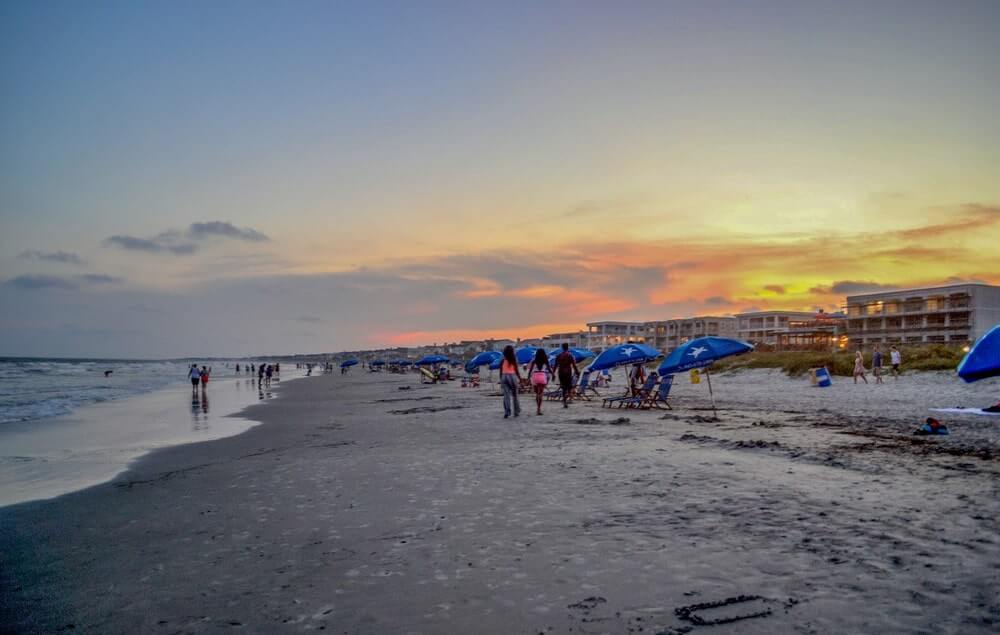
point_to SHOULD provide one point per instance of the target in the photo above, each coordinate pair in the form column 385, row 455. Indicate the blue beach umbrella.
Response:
column 700, row 353
column 348, row 363
column 482, row 359
column 579, row 354
column 378, row 362
column 525, row 354
column 430, row 360
column 624, row 355
column 983, row 359
column 403, row 362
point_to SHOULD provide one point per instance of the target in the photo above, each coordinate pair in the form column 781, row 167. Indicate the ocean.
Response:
column 33, row 388
column 64, row 425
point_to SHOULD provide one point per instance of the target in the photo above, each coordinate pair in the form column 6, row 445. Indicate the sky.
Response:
column 239, row 178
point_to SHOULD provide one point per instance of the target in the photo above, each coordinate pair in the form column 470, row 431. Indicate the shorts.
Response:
column 895, row 367
column 539, row 378
column 877, row 370
column 566, row 381
column 194, row 381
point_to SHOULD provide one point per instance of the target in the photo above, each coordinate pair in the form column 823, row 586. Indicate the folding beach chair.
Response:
column 583, row 388
column 657, row 398
column 642, row 393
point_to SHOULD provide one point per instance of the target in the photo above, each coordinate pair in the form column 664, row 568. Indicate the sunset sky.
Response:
column 216, row 178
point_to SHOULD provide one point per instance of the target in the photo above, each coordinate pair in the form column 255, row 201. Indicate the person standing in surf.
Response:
column 195, row 376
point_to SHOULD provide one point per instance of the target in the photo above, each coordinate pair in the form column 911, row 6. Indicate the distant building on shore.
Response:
column 953, row 314
column 790, row 330
column 602, row 335
column 666, row 335
column 576, row 339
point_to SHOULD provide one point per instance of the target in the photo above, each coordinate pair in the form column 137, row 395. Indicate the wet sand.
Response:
column 361, row 508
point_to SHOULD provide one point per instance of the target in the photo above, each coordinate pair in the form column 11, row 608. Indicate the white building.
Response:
column 602, row 335
column 666, row 335
column 954, row 314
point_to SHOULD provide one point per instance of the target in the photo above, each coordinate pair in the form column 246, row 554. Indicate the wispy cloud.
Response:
column 847, row 287
column 133, row 243
column 34, row 282
column 62, row 257
column 775, row 288
column 225, row 230
column 184, row 242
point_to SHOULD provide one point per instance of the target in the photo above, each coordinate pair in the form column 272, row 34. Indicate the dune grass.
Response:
column 797, row 363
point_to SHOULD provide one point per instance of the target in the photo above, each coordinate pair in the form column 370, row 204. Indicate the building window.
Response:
column 854, row 310
column 892, row 307
column 935, row 304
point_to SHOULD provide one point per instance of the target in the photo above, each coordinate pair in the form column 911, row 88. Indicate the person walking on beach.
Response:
column 195, row 376
column 877, row 365
column 859, row 367
column 203, row 375
column 539, row 372
column 260, row 375
column 510, row 378
column 268, row 373
column 895, row 359
column 567, row 372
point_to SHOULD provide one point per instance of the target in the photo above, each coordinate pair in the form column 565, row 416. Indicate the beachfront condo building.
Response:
column 790, row 330
column 576, row 339
column 601, row 335
column 953, row 314
column 666, row 335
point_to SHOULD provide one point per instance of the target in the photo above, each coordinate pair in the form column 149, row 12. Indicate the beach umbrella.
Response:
column 495, row 364
column 403, row 362
column 700, row 353
column 430, row 360
column 377, row 362
column 525, row 354
column 482, row 359
column 983, row 359
column 348, row 363
column 624, row 355
column 579, row 354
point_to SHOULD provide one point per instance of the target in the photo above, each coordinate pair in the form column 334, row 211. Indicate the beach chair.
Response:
column 584, row 387
column 657, row 398
column 642, row 393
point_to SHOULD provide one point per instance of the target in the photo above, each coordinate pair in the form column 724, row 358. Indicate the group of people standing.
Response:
column 563, row 367
column 264, row 372
column 895, row 359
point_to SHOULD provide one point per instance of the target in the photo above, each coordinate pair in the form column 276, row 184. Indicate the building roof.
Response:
column 960, row 285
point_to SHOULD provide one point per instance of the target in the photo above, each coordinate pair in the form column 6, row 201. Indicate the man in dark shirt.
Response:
column 566, row 370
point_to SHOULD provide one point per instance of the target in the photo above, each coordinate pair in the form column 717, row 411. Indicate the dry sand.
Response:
column 361, row 508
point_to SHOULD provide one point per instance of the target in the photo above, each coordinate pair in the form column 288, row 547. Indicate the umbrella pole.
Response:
column 708, row 376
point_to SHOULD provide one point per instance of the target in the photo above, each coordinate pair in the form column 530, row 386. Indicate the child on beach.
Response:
column 510, row 378
column 205, row 372
column 539, row 373
column 859, row 367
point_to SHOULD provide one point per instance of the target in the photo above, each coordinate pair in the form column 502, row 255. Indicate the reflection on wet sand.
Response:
column 199, row 411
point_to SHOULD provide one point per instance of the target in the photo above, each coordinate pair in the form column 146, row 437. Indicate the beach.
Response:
column 369, row 503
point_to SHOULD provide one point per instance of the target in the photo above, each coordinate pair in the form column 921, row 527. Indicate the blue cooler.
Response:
column 823, row 378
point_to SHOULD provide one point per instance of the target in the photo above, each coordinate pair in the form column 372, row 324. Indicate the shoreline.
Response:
column 45, row 458
column 356, row 506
